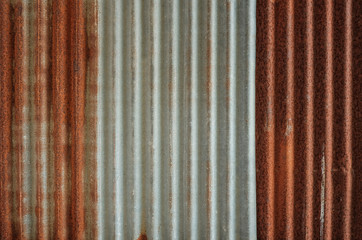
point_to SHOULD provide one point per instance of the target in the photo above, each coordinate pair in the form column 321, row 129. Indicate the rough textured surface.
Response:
column 47, row 58
column 176, row 119
column 308, row 118
column 127, row 119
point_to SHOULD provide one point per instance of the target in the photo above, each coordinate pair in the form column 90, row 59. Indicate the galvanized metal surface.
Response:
column 308, row 119
column 127, row 119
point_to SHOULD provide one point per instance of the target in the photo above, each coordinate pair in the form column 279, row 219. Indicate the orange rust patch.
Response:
column 143, row 236
column 5, row 120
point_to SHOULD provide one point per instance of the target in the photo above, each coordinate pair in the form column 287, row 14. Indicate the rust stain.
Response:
column 354, row 75
column 309, row 126
column 77, row 102
column 59, row 108
column 265, row 121
column 5, row 120
column 305, row 119
column 91, row 123
column 142, row 236
column 20, row 94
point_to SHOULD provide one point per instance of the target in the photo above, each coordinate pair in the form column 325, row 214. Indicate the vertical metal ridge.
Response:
column 265, row 119
column 77, row 101
column 5, row 117
column 194, row 155
column 327, row 233
column 20, row 117
column 214, row 156
column 118, row 130
column 41, row 128
column 139, row 225
column 100, row 122
column 348, row 93
column 232, row 220
column 289, row 132
column 175, row 125
column 59, row 76
column 251, row 56
column 156, row 98
column 309, row 121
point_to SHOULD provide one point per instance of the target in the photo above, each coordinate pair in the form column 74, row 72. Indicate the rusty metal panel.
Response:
column 127, row 119
column 48, row 62
column 308, row 119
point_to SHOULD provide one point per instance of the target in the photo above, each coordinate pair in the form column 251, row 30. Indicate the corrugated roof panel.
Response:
column 171, row 124
column 307, row 119
column 127, row 119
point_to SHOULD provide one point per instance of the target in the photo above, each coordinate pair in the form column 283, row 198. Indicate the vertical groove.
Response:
column 5, row 120
column 329, row 122
column 290, row 123
column 118, row 131
column 309, row 122
column 59, row 74
column 106, row 123
column 91, row 147
column 194, row 122
column 214, row 124
column 356, row 128
column 348, row 118
column 175, row 131
column 77, row 76
column 157, row 157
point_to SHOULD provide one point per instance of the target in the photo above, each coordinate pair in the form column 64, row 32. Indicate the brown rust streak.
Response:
column 356, row 216
column 309, row 122
column 19, row 104
column 41, row 90
column 5, row 120
column 77, row 102
column 319, row 68
column 265, row 74
column 329, row 121
column 289, row 131
column 59, row 78
column 348, row 120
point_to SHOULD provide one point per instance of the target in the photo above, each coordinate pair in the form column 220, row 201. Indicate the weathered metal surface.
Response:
column 127, row 119
column 47, row 69
column 175, row 119
column 308, row 119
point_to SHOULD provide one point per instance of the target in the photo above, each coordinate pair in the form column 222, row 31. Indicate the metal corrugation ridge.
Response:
column 127, row 119
column 308, row 119
column 175, row 125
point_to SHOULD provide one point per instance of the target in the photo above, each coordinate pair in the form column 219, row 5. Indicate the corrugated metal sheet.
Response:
column 308, row 119
column 127, row 119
